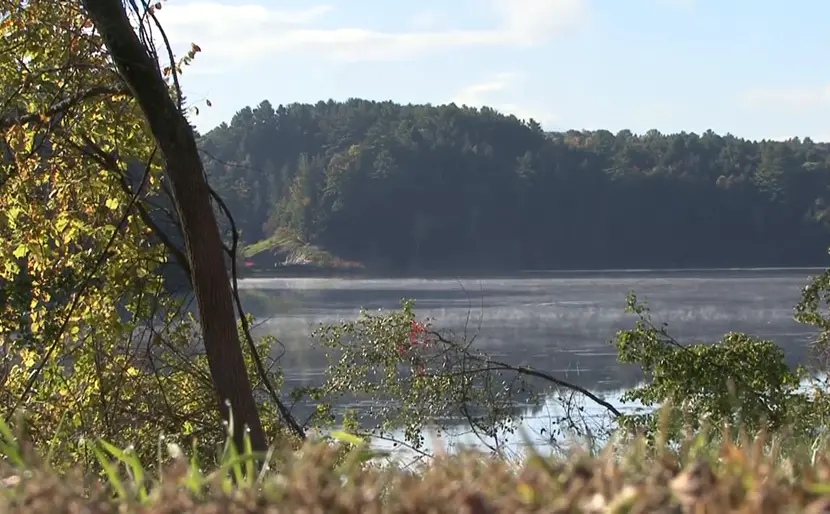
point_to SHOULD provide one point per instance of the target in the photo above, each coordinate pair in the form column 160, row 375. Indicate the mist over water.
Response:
column 559, row 322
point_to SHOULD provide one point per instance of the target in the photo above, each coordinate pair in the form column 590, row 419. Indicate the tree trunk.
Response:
column 204, row 245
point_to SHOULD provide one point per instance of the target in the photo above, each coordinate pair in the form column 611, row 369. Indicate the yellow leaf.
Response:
column 20, row 251
column 13, row 213
column 112, row 203
column 28, row 359
column 345, row 437
column 526, row 492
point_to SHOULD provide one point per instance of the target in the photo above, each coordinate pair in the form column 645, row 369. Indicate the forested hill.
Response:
column 420, row 187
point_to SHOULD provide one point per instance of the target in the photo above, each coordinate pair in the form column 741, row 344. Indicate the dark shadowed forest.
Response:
column 432, row 188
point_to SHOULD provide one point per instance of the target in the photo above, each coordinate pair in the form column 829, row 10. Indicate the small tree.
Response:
column 418, row 377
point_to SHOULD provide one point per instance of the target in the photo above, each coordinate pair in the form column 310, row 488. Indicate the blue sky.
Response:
column 757, row 69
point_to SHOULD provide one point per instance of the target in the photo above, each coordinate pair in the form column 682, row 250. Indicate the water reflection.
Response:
column 558, row 322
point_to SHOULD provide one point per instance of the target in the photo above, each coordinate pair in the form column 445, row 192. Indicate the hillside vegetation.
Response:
column 421, row 187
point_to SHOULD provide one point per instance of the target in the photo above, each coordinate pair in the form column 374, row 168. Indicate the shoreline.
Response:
column 366, row 274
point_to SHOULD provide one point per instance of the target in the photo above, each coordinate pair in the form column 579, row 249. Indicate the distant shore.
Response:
column 305, row 271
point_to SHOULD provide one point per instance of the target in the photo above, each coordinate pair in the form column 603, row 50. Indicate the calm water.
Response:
column 559, row 322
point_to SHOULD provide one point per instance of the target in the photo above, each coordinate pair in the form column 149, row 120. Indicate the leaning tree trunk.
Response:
column 204, row 246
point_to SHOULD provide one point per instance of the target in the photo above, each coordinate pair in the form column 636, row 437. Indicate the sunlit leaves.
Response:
column 80, row 301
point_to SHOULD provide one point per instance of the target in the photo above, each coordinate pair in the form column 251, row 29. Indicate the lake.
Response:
column 559, row 322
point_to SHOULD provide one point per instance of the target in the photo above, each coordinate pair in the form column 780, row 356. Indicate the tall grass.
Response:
column 708, row 471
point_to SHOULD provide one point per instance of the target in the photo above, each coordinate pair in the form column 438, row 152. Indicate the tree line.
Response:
column 422, row 187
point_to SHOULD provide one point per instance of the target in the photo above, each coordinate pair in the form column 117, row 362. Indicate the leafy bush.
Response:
column 739, row 380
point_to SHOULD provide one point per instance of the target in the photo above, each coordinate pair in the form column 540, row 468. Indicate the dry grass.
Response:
column 319, row 479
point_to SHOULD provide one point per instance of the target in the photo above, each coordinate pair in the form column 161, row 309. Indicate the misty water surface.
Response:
column 560, row 322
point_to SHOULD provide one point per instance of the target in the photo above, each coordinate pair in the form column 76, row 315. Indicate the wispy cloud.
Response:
column 535, row 21
column 493, row 93
column 252, row 31
column 476, row 95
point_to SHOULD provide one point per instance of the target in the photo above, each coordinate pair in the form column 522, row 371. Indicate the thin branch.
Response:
column 108, row 162
column 173, row 71
column 494, row 365
column 178, row 254
column 63, row 105
column 420, row 452
column 284, row 412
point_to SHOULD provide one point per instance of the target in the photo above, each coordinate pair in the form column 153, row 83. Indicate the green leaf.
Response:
column 129, row 459
column 111, row 472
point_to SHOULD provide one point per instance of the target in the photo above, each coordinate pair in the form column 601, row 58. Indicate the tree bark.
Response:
column 204, row 245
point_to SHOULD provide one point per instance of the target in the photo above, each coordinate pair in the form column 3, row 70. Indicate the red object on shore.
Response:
column 249, row 264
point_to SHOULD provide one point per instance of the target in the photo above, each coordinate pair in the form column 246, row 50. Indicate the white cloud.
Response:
column 534, row 21
column 495, row 93
column 787, row 98
column 252, row 31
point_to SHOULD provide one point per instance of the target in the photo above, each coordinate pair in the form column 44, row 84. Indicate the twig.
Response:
column 63, row 105
column 108, row 162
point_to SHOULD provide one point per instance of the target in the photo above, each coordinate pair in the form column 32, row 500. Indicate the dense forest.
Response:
column 421, row 187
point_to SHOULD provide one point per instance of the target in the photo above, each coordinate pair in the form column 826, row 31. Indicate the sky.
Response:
column 758, row 69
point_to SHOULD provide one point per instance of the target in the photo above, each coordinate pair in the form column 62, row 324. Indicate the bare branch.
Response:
column 494, row 365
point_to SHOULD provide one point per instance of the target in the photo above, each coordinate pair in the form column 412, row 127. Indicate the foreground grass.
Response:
column 340, row 476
